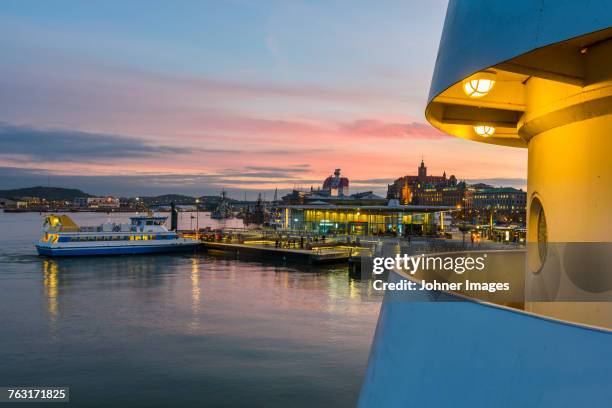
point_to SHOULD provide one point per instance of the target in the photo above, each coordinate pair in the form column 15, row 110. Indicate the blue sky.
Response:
column 195, row 96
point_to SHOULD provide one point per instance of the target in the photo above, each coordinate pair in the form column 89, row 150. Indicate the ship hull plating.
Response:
column 116, row 250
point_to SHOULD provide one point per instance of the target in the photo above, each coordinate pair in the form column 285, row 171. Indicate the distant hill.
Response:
column 69, row 194
column 48, row 193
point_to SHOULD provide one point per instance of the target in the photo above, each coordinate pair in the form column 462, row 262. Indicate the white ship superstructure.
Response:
column 144, row 234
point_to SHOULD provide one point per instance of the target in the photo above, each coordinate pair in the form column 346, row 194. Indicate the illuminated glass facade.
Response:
column 364, row 220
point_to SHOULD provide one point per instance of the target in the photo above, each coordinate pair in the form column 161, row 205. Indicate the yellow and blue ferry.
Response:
column 145, row 234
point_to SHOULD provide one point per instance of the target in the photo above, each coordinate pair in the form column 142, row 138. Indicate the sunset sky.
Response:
column 152, row 97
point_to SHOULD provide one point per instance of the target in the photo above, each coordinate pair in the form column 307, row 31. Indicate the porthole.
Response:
column 538, row 236
column 542, row 235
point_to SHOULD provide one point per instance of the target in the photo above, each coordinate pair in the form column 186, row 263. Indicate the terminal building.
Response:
column 332, row 210
column 392, row 219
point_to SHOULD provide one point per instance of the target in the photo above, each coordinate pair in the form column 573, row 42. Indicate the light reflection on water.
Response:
column 182, row 330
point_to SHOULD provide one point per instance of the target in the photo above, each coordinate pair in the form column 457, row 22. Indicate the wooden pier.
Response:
column 317, row 255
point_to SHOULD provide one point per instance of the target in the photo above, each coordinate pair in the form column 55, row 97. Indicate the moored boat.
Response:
column 223, row 209
column 145, row 234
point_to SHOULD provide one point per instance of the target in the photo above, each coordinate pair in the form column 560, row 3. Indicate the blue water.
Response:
column 179, row 330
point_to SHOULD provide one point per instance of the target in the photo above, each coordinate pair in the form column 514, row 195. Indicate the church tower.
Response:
column 422, row 172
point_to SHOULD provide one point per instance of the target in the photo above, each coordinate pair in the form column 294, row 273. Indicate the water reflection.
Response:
column 155, row 278
column 135, row 271
column 50, row 289
column 223, row 328
column 195, row 293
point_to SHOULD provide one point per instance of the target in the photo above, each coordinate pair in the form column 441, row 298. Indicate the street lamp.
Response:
column 197, row 201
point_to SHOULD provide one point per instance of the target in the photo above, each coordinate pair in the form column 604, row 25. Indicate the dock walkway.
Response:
column 318, row 255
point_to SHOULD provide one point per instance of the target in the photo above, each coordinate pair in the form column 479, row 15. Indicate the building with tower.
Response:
column 335, row 185
column 424, row 189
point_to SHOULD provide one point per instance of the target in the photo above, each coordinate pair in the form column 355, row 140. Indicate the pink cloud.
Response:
column 365, row 132
column 376, row 128
column 227, row 123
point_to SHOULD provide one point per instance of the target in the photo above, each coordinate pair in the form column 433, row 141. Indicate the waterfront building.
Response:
column 505, row 199
column 80, row 202
column 507, row 203
column 102, row 202
column 393, row 218
column 31, row 201
column 7, row 202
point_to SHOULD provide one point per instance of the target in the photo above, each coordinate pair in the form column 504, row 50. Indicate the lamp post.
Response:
column 197, row 201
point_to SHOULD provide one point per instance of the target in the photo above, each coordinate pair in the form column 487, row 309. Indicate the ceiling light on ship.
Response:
column 484, row 131
column 479, row 84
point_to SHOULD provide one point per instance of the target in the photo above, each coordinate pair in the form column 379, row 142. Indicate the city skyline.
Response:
column 246, row 97
column 128, row 186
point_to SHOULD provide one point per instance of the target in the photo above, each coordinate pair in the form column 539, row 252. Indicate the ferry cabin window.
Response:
column 52, row 238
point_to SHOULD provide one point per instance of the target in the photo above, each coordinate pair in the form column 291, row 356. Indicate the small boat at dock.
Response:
column 145, row 234
column 223, row 210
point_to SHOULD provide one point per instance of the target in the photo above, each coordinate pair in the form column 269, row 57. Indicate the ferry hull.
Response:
column 118, row 250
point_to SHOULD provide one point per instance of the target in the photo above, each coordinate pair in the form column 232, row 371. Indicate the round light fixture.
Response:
column 484, row 131
column 479, row 84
